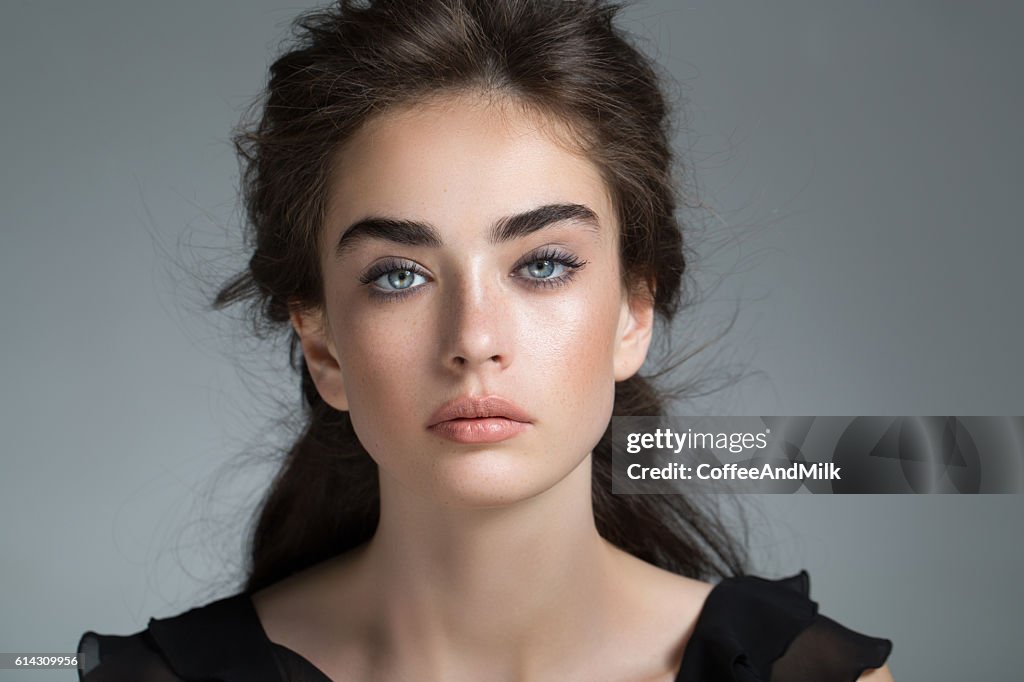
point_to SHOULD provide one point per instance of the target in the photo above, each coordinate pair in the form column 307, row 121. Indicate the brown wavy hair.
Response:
column 354, row 60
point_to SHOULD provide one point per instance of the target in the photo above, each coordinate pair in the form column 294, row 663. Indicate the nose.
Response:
column 476, row 326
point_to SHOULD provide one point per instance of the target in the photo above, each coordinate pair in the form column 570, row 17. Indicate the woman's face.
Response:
column 467, row 255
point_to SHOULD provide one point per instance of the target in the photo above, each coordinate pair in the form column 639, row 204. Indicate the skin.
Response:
column 486, row 563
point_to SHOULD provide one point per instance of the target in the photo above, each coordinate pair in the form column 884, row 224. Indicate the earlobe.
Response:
column 634, row 336
column 321, row 356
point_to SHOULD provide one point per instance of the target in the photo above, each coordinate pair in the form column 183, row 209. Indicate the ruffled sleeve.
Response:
column 220, row 641
column 753, row 629
column 116, row 658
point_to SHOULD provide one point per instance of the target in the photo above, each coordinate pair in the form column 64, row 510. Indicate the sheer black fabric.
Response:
column 756, row 630
column 750, row 629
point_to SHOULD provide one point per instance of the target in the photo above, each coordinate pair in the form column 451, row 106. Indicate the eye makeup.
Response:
column 569, row 263
column 382, row 269
column 558, row 267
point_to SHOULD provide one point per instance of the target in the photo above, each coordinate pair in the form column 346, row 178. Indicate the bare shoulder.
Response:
column 658, row 617
column 284, row 606
column 296, row 612
column 876, row 675
column 669, row 595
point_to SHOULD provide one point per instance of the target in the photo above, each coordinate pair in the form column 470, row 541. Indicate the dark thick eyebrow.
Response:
column 416, row 233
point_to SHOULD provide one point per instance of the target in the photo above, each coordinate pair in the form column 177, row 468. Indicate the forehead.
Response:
column 460, row 161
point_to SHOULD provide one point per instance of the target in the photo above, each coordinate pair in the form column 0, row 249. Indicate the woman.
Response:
column 463, row 212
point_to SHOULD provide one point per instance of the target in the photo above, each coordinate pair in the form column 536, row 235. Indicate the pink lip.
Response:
column 487, row 419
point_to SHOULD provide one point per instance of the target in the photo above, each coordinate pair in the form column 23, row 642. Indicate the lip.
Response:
column 487, row 419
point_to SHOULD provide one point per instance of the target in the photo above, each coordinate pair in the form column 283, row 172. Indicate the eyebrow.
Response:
column 418, row 233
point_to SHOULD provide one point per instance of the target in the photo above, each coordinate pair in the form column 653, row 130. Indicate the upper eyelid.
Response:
column 563, row 257
column 552, row 249
column 386, row 265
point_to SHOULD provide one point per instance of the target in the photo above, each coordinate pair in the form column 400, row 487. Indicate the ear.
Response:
column 636, row 323
column 321, row 356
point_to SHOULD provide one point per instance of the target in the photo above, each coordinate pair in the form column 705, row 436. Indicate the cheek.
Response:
column 578, row 358
column 585, row 340
column 382, row 353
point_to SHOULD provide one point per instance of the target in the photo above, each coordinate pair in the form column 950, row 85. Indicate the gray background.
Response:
column 862, row 162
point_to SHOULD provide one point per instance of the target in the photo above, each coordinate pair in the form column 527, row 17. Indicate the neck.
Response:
column 522, row 583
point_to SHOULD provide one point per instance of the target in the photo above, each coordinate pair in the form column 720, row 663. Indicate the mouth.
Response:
column 489, row 419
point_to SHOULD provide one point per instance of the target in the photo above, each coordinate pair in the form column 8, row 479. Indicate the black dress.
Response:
column 750, row 629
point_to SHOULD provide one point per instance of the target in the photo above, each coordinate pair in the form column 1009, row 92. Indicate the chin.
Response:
column 489, row 478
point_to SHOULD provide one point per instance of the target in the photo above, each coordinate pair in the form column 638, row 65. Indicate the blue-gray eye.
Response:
column 543, row 269
column 398, row 280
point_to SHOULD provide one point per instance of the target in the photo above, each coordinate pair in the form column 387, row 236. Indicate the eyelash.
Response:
column 557, row 256
column 571, row 263
column 387, row 266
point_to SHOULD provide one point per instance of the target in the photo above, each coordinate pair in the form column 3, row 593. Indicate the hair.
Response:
column 354, row 60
